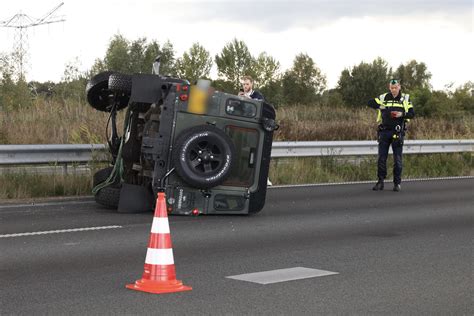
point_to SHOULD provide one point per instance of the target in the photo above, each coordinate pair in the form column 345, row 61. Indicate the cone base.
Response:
column 158, row 287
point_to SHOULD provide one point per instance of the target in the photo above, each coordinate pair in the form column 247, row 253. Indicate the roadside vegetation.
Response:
column 338, row 169
column 24, row 185
column 57, row 112
column 73, row 122
column 27, row 185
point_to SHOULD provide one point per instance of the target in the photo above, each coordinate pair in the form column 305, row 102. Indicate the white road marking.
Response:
column 59, row 231
column 55, row 203
column 281, row 275
column 363, row 182
column 72, row 243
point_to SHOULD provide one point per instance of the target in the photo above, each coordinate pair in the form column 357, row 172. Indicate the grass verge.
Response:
column 282, row 171
column 23, row 185
column 342, row 169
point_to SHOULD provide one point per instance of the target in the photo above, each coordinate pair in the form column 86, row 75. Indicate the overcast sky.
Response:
column 336, row 34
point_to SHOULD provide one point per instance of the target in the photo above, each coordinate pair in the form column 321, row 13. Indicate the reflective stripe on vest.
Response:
column 406, row 104
column 403, row 103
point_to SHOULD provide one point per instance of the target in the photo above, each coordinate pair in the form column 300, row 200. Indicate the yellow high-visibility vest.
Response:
column 403, row 103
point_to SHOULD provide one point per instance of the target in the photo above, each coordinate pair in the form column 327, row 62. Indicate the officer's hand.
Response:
column 395, row 114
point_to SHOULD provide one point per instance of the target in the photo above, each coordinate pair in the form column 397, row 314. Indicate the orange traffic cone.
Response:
column 159, row 274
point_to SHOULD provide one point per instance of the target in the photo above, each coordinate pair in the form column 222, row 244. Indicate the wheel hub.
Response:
column 205, row 159
column 205, row 156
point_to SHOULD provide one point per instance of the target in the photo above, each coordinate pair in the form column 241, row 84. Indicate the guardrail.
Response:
column 84, row 153
column 359, row 148
column 51, row 154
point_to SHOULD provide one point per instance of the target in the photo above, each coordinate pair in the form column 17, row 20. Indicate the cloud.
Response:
column 275, row 16
column 336, row 34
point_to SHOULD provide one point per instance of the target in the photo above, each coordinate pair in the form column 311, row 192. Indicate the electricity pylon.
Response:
column 21, row 23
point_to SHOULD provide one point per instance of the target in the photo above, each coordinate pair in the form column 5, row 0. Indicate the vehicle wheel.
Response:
column 204, row 155
column 108, row 196
column 101, row 175
column 120, row 83
column 99, row 95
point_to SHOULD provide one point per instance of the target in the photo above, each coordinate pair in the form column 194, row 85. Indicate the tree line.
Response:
column 303, row 83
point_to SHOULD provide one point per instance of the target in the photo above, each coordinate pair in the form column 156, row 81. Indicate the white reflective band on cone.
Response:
column 159, row 256
column 160, row 225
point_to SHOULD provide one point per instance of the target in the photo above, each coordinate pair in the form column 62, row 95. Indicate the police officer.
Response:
column 394, row 109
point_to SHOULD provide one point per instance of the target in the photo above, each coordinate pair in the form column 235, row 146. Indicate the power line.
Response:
column 21, row 23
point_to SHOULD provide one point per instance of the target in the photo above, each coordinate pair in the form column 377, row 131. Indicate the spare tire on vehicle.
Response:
column 203, row 156
column 100, row 97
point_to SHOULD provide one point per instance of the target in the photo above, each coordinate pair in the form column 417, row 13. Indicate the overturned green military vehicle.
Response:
column 209, row 150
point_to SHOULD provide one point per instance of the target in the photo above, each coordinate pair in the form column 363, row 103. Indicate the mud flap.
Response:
column 135, row 199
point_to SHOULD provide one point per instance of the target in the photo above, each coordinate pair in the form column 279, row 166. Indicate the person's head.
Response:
column 247, row 83
column 394, row 86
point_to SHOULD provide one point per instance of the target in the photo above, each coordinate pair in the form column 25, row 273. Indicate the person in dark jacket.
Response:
column 248, row 91
column 394, row 109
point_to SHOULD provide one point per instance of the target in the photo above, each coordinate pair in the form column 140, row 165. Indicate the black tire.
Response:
column 108, row 197
column 120, row 83
column 101, row 175
column 99, row 95
column 203, row 156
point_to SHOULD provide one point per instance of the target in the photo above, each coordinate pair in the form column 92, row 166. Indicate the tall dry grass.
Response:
column 321, row 122
column 53, row 122
column 48, row 122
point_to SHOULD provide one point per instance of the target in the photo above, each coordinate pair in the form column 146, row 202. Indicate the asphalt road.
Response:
column 395, row 253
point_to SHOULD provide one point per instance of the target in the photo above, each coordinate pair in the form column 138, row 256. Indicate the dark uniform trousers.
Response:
column 385, row 138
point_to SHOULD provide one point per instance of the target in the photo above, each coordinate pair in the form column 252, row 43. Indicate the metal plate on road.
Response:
column 281, row 275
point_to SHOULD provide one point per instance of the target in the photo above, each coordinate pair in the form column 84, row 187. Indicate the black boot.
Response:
column 396, row 187
column 378, row 186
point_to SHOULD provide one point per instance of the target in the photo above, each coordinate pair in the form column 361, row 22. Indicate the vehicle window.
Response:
column 246, row 145
column 214, row 101
column 240, row 108
column 225, row 202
